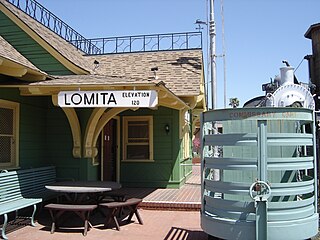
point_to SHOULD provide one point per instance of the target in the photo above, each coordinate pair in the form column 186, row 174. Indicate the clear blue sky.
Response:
column 259, row 34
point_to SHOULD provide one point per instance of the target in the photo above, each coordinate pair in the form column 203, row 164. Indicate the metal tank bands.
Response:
column 259, row 173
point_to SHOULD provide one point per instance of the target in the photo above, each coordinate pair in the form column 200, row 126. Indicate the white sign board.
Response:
column 91, row 99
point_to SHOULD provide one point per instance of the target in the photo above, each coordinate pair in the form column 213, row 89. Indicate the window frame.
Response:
column 125, row 142
column 15, row 107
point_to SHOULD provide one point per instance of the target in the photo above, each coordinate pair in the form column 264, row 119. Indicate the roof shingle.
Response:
column 180, row 70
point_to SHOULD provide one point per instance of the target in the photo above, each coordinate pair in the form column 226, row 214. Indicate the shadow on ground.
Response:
column 176, row 233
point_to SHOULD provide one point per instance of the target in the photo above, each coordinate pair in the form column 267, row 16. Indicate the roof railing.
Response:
column 141, row 43
column 110, row 45
column 50, row 20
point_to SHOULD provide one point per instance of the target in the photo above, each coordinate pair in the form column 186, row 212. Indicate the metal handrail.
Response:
column 110, row 45
column 50, row 21
column 141, row 43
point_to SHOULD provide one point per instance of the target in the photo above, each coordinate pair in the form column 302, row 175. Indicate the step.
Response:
column 168, row 205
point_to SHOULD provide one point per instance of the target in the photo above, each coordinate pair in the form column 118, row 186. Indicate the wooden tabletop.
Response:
column 83, row 186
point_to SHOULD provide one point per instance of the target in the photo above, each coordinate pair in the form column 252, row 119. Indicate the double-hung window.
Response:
column 138, row 138
column 9, row 129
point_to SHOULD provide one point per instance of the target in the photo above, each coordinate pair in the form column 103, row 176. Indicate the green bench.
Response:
column 24, row 188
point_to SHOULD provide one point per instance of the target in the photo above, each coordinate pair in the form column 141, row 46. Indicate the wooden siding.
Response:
column 164, row 171
column 32, row 139
column 29, row 48
column 46, row 139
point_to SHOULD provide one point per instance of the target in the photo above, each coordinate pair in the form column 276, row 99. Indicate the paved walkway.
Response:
column 158, row 225
column 159, row 222
column 187, row 198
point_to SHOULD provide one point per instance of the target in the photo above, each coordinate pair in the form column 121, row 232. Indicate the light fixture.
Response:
column 96, row 64
column 199, row 22
column 167, row 128
column 154, row 70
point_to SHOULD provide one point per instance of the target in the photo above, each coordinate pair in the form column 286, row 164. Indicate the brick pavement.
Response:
column 158, row 225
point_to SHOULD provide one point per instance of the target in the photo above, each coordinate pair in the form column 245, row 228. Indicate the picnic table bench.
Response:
column 114, row 207
column 22, row 189
column 83, row 211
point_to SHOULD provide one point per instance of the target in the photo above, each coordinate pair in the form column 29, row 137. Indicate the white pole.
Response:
column 224, row 57
column 212, row 34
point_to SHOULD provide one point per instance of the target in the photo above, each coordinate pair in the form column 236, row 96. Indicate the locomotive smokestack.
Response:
column 287, row 75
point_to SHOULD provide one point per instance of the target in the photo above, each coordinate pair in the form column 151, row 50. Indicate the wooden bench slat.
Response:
column 71, row 207
column 128, row 202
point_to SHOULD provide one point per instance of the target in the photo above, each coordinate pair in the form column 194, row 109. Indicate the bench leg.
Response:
column 134, row 210
column 3, row 229
column 84, row 215
column 87, row 224
column 55, row 215
column 53, row 225
column 16, row 216
column 33, row 214
column 112, row 216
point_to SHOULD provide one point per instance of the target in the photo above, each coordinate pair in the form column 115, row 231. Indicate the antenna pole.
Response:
column 212, row 34
column 224, row 56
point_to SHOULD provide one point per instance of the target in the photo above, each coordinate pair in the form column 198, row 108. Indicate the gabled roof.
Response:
column 180, row 70
column 45, row 36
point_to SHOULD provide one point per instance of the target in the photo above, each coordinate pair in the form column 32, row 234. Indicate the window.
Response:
column 9, row 129
column 137, row 142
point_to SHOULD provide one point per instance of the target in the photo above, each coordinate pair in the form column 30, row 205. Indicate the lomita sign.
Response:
column 91, row 99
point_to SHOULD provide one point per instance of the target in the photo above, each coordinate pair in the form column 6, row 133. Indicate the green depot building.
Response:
column 127, row 116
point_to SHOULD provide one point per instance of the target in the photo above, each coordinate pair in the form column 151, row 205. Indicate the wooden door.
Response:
column 110, row 151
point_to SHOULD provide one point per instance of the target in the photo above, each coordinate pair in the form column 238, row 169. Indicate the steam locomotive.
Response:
column 285, row 91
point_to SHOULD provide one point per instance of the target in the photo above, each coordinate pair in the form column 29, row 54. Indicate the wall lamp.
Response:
column 154, row 70
column 167, row 128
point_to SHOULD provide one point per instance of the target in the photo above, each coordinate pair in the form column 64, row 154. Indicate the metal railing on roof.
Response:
column 97, row 46
column 141, row 43
column 50, row 20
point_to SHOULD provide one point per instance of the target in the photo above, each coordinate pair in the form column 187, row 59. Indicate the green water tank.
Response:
column 259, row 178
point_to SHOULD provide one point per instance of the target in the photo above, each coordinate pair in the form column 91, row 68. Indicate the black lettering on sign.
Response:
column 76, row 98
column 88, row 100
column 112, row 99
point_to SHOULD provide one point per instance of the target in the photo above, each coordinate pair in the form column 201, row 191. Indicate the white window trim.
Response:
column 14, row 163
column 125, row 137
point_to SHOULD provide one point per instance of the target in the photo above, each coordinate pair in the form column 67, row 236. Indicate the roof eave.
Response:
column 311, row 29
column 11, row 68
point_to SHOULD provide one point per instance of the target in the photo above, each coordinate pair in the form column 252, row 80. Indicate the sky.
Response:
column 259, row 34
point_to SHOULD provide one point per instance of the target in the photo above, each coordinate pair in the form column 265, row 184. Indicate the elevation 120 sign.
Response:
column 91, row 99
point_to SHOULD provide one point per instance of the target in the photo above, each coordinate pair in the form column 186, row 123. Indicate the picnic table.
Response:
column 77, row 194
column 78, row 191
